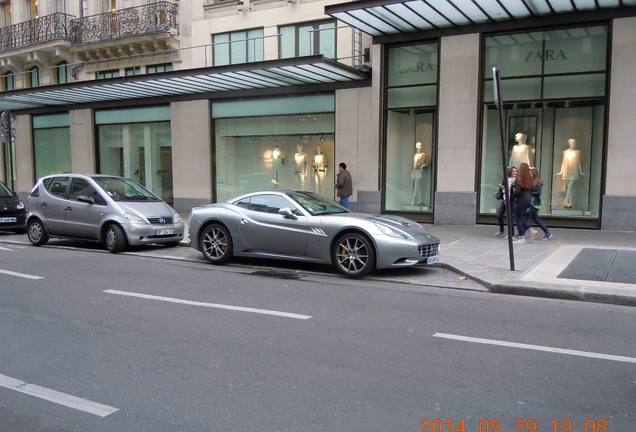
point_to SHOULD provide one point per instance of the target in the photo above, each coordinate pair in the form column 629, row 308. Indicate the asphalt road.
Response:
column 95, row 342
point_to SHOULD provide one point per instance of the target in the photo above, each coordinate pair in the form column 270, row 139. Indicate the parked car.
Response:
column 304, row 226
column 12, row 211
column 116, row 211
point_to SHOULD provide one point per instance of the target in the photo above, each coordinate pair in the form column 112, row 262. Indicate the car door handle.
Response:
column 43, row 205
column 244, row 222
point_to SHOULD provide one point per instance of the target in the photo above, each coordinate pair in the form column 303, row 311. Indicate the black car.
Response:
column 12, row 211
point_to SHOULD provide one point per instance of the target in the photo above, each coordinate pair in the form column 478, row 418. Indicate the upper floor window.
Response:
column 60, row 72
column 8, row 81
column 34, row 77
column 308, row 39
column 166, row 67
column 5, row 14
column 132, row 71
column 238, row 47
column 113, row 73
column 33, row 9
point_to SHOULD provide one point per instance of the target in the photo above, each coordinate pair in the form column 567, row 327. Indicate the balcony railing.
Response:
column 160, row 17
column 43, row 29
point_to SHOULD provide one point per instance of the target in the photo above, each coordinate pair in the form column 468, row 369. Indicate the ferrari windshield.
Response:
column 124, row 189
column 316, row 204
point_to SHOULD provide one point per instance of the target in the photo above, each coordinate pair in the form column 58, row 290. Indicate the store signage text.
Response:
column 547, row 55
column 417, row 67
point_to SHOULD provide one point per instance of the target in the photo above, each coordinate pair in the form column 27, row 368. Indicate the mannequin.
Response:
column 300, row 166
column 278, row 159
column 320, row 168
column 570, row 170
column 520, row 151
column 420, row 162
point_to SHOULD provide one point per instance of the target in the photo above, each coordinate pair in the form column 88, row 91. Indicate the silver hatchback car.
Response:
column 116, row 211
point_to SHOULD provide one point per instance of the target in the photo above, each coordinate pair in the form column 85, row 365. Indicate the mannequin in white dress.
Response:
column 300, row 166
column 420, row 162
column 570, row 171
column 520, row 151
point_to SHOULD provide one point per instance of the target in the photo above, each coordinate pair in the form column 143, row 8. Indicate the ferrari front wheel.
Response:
column 216, row 244
column 353, row 255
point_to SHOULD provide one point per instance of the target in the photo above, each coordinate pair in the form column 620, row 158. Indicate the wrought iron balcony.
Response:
column 43, row 29
column 160, row 17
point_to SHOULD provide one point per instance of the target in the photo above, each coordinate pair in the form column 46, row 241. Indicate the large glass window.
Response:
column 51, row 144
column 8, row 81
column 33, row 75
column 283, row 143
column 308, row 39
column 553, row 88
column 137, row 143
column 238, row 47
column 60, row 72
column 411, row 98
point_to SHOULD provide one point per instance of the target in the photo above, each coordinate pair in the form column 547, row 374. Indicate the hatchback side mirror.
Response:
column 86, row 199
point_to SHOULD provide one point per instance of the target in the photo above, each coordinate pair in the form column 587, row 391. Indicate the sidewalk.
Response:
column 585, row 265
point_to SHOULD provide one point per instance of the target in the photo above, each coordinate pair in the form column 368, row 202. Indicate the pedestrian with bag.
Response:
column 535, row 204
column 501, row 212
column 521, row 188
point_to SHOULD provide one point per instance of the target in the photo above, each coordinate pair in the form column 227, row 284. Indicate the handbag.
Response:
column 498, row 195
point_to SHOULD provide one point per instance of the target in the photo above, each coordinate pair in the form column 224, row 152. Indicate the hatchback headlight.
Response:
column 133, row 218
column 391, row 232
column 177, row 218
column 21, row 205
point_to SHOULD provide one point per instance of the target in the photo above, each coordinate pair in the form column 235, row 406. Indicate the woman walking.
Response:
column 535, row 202
column 512, row 173
column 521, row 188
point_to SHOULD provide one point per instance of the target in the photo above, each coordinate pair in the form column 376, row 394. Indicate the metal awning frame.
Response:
column 304, row 73
column 397, row 21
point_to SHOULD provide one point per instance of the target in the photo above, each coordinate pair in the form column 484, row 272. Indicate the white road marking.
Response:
column 537, row 348
column 209, row 305
column 6, row 249
column 23, row 275
column 57, row 397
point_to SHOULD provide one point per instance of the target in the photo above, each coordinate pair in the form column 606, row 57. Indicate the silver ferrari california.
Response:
column 305, row 226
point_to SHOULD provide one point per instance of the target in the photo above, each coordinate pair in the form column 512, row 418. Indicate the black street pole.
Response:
column 504, row 161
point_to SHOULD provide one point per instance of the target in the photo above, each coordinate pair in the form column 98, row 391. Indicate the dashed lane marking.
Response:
column 22, row 275
column 57, row 397
column 537, row 348
column 209, row 305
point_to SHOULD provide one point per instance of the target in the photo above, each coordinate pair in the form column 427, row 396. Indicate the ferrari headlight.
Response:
column 133, row 218
column 391, row 232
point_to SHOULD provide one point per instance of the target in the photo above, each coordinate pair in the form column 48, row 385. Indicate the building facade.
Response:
column 200, row 100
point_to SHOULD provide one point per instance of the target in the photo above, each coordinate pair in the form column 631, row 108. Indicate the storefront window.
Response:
column 410, row 132
column 554, row 120
column 137, row 143
column 285, row 143
column 51, row 144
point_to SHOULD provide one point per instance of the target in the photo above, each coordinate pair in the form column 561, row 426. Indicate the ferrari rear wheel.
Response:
column 216, row 244
column 353, row 255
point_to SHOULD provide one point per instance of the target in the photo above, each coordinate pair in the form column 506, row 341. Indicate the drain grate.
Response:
column 276, row 274
column 603, row 265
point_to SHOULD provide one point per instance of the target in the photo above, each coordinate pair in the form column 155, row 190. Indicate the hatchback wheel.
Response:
column 115, row 239
column 353, row 255
column 216, row 244
column 37, row 233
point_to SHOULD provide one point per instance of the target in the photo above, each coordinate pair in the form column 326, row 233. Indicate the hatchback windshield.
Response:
column 124, row 189
column 316, row 204
column 4, row 191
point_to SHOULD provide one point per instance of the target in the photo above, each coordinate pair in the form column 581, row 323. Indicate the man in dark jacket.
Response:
column 344, row 185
